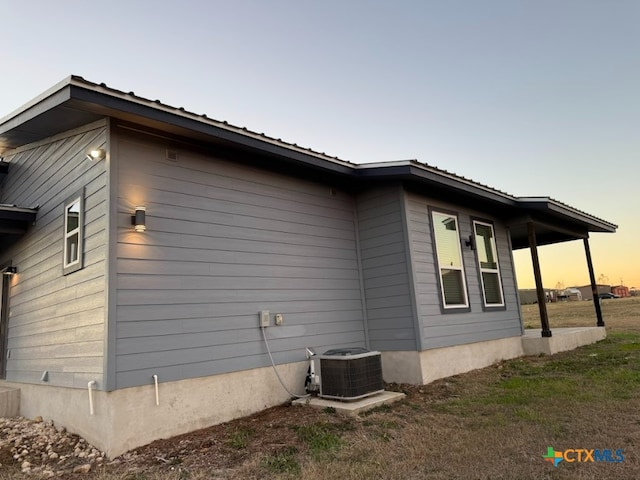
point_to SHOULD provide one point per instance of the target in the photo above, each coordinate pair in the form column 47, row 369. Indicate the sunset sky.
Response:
column 535, row 98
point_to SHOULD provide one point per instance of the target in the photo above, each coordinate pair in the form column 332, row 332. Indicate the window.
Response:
column 449, row 258
column 487, row 255
column 73, row 233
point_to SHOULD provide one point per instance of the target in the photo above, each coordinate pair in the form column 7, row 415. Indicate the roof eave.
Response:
column 76, row 94
column 412, row 170
column 551, row 206
column 78, row 101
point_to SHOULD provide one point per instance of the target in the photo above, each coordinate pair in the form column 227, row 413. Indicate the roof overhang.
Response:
column 434, row 181
column 554, row 222
column 14, row 222
column 75, row 102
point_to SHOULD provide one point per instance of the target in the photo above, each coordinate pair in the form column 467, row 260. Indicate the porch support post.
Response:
column 542, row 299
column 594, row 285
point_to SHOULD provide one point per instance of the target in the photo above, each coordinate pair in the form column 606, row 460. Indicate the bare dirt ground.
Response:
column 485, row 424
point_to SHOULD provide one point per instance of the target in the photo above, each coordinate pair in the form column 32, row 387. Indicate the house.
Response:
column 529, row 296
column 140, row 241
column 621, row 291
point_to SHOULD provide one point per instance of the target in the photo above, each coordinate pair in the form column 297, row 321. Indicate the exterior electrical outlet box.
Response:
column 350, row 373
column 264, row 318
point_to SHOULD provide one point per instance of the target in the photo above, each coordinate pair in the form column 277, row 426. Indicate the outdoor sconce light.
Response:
column 96, row 154
column 470, row 243
column 138, row 220
column 10, row 271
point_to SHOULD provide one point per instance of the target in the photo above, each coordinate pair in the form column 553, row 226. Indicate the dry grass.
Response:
column 620, row 314
column 493, row 423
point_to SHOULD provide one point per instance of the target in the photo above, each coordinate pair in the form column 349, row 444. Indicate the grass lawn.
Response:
column 494, row 423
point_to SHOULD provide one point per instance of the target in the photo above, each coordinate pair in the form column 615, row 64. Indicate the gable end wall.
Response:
column 56, row 322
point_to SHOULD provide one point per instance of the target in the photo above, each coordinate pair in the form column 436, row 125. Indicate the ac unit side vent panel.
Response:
column 350, row 376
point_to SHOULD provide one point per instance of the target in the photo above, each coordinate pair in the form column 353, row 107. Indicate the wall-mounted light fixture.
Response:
column 138, row 220
column 96, row 154
column 10, row 271
column 470, row 242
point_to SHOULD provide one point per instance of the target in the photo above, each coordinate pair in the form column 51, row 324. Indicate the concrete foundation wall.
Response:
column 563, row 339
column 401, row 367
column 128, row 418
column 9, row 402
column 444, row 362
column 429, row 365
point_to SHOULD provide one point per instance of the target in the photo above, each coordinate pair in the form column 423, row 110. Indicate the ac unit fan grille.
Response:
column 351, row 378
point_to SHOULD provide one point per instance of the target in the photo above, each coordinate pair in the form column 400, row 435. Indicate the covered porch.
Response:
column 563, row 339
column 547, row 222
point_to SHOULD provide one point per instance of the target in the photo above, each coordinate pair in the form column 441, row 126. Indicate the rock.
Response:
column 86, row 468
column 38, row 419
column 36, row 446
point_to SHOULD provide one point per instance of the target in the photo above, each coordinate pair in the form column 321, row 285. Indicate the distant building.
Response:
column 529, row 296
column 585, row 290
column 570, row 295
column 621, row 291
column 634, row 292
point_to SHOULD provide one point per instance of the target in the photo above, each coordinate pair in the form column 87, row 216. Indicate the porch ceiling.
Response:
column 14, row 222
column 554, row 222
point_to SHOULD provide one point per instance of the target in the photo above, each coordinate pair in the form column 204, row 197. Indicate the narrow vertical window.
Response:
column 449, row 257
column 487, row 255
column 73, row 233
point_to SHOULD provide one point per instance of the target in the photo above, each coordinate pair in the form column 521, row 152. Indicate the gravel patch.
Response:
column 44, row 450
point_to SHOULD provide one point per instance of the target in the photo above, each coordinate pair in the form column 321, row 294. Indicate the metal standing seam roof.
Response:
column 101, row 100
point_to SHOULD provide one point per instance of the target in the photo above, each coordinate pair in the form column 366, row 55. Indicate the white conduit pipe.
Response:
column 155, row 381
column 273, row 364
column 90, row 386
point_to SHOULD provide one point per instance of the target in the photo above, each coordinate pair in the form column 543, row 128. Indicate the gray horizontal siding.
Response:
column 384, row 270
column 443, row 330
column 57, row 322
column 223, row 242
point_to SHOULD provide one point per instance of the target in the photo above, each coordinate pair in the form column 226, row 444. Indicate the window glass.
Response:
column 72, row 249
column 73, row 216
column 446, row 229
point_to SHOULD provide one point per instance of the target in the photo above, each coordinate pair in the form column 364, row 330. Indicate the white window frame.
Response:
column 445, row 306
column 482, row 269
column 77, row 263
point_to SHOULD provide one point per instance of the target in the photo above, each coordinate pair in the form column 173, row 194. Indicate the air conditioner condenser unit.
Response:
column 350, row 373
